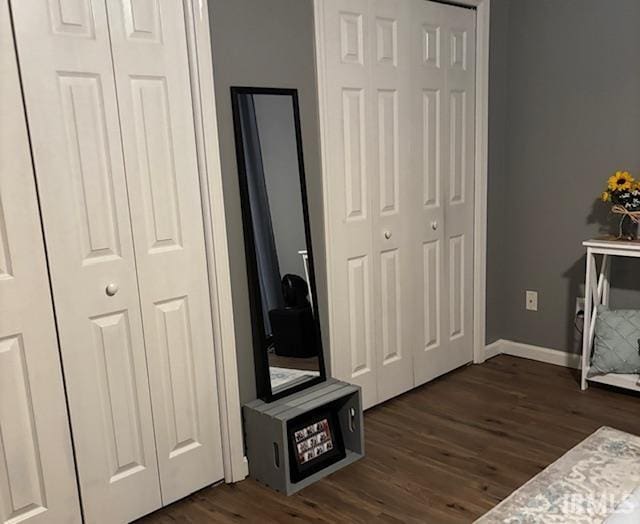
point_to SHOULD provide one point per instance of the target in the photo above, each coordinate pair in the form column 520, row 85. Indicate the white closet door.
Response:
column 444, row 90
column 368, row 97
column 349, row 146
column 65, row 59
column 152, row 77
column 459, row 186
column 398, row 112
column 37, row 476
column 390, row 173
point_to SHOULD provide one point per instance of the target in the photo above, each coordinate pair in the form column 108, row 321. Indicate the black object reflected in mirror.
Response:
column 282, row 291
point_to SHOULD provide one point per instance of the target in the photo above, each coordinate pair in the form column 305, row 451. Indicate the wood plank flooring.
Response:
column 443, row 453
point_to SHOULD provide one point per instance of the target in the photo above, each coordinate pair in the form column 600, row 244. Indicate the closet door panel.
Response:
column 444, row 94
column 152, row 79
column 430, row 123
column 349, row 114
column 37, row 477
column 460, row 40
column 65, row 59
column 392, row 186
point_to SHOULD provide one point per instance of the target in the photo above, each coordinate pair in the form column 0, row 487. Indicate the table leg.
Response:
column 606, row 282
column 586, row 329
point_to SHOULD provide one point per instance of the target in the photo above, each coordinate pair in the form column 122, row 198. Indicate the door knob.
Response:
column 434, row 225
column 111, row 289
column 387, row 235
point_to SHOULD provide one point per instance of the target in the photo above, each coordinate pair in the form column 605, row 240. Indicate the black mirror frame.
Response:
column 261, row 359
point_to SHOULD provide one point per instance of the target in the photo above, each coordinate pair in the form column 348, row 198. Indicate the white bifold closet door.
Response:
column 108, row 101
column 444, row 102
column 37, row 477
column 150, row 58
column 398, row 91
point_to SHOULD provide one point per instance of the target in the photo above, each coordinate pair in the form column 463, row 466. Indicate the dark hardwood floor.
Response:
column 445, row 452
column 306, row 364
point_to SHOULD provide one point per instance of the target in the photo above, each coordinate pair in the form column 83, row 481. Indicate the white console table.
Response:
column 597, row 286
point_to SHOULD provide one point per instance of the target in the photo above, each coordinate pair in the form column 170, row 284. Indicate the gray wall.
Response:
column 572, row 106
column 276, row 128
column 496, row 216
column 269, row 44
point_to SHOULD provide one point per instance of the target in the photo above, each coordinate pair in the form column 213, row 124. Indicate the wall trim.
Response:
column 528, row 351
column 493, row 350
column 483, row 11
column 318, row 21
column 217, row 251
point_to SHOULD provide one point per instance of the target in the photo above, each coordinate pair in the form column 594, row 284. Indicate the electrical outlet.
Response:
column 579, row 306
column 531, row 298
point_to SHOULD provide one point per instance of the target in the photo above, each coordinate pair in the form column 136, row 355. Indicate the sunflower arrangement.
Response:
column 623, row 192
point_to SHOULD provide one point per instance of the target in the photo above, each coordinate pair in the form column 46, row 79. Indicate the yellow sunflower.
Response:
column 605, row 196
column 621, row 181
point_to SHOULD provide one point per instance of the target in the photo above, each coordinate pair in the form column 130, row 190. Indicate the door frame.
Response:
column 217, row 250
column 483, row 10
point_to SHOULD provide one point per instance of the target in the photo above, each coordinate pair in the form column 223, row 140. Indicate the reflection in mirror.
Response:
column 279, row 261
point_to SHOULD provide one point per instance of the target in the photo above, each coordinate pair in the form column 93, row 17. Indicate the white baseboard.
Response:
column 494, row 349
column 540, row 354
column 245, row 468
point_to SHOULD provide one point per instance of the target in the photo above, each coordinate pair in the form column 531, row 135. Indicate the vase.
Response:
column 627, row 229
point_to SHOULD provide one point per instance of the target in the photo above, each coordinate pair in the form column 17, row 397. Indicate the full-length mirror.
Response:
column 286, row 331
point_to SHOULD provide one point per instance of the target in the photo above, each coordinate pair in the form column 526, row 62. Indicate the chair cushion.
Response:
column 617, row 342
